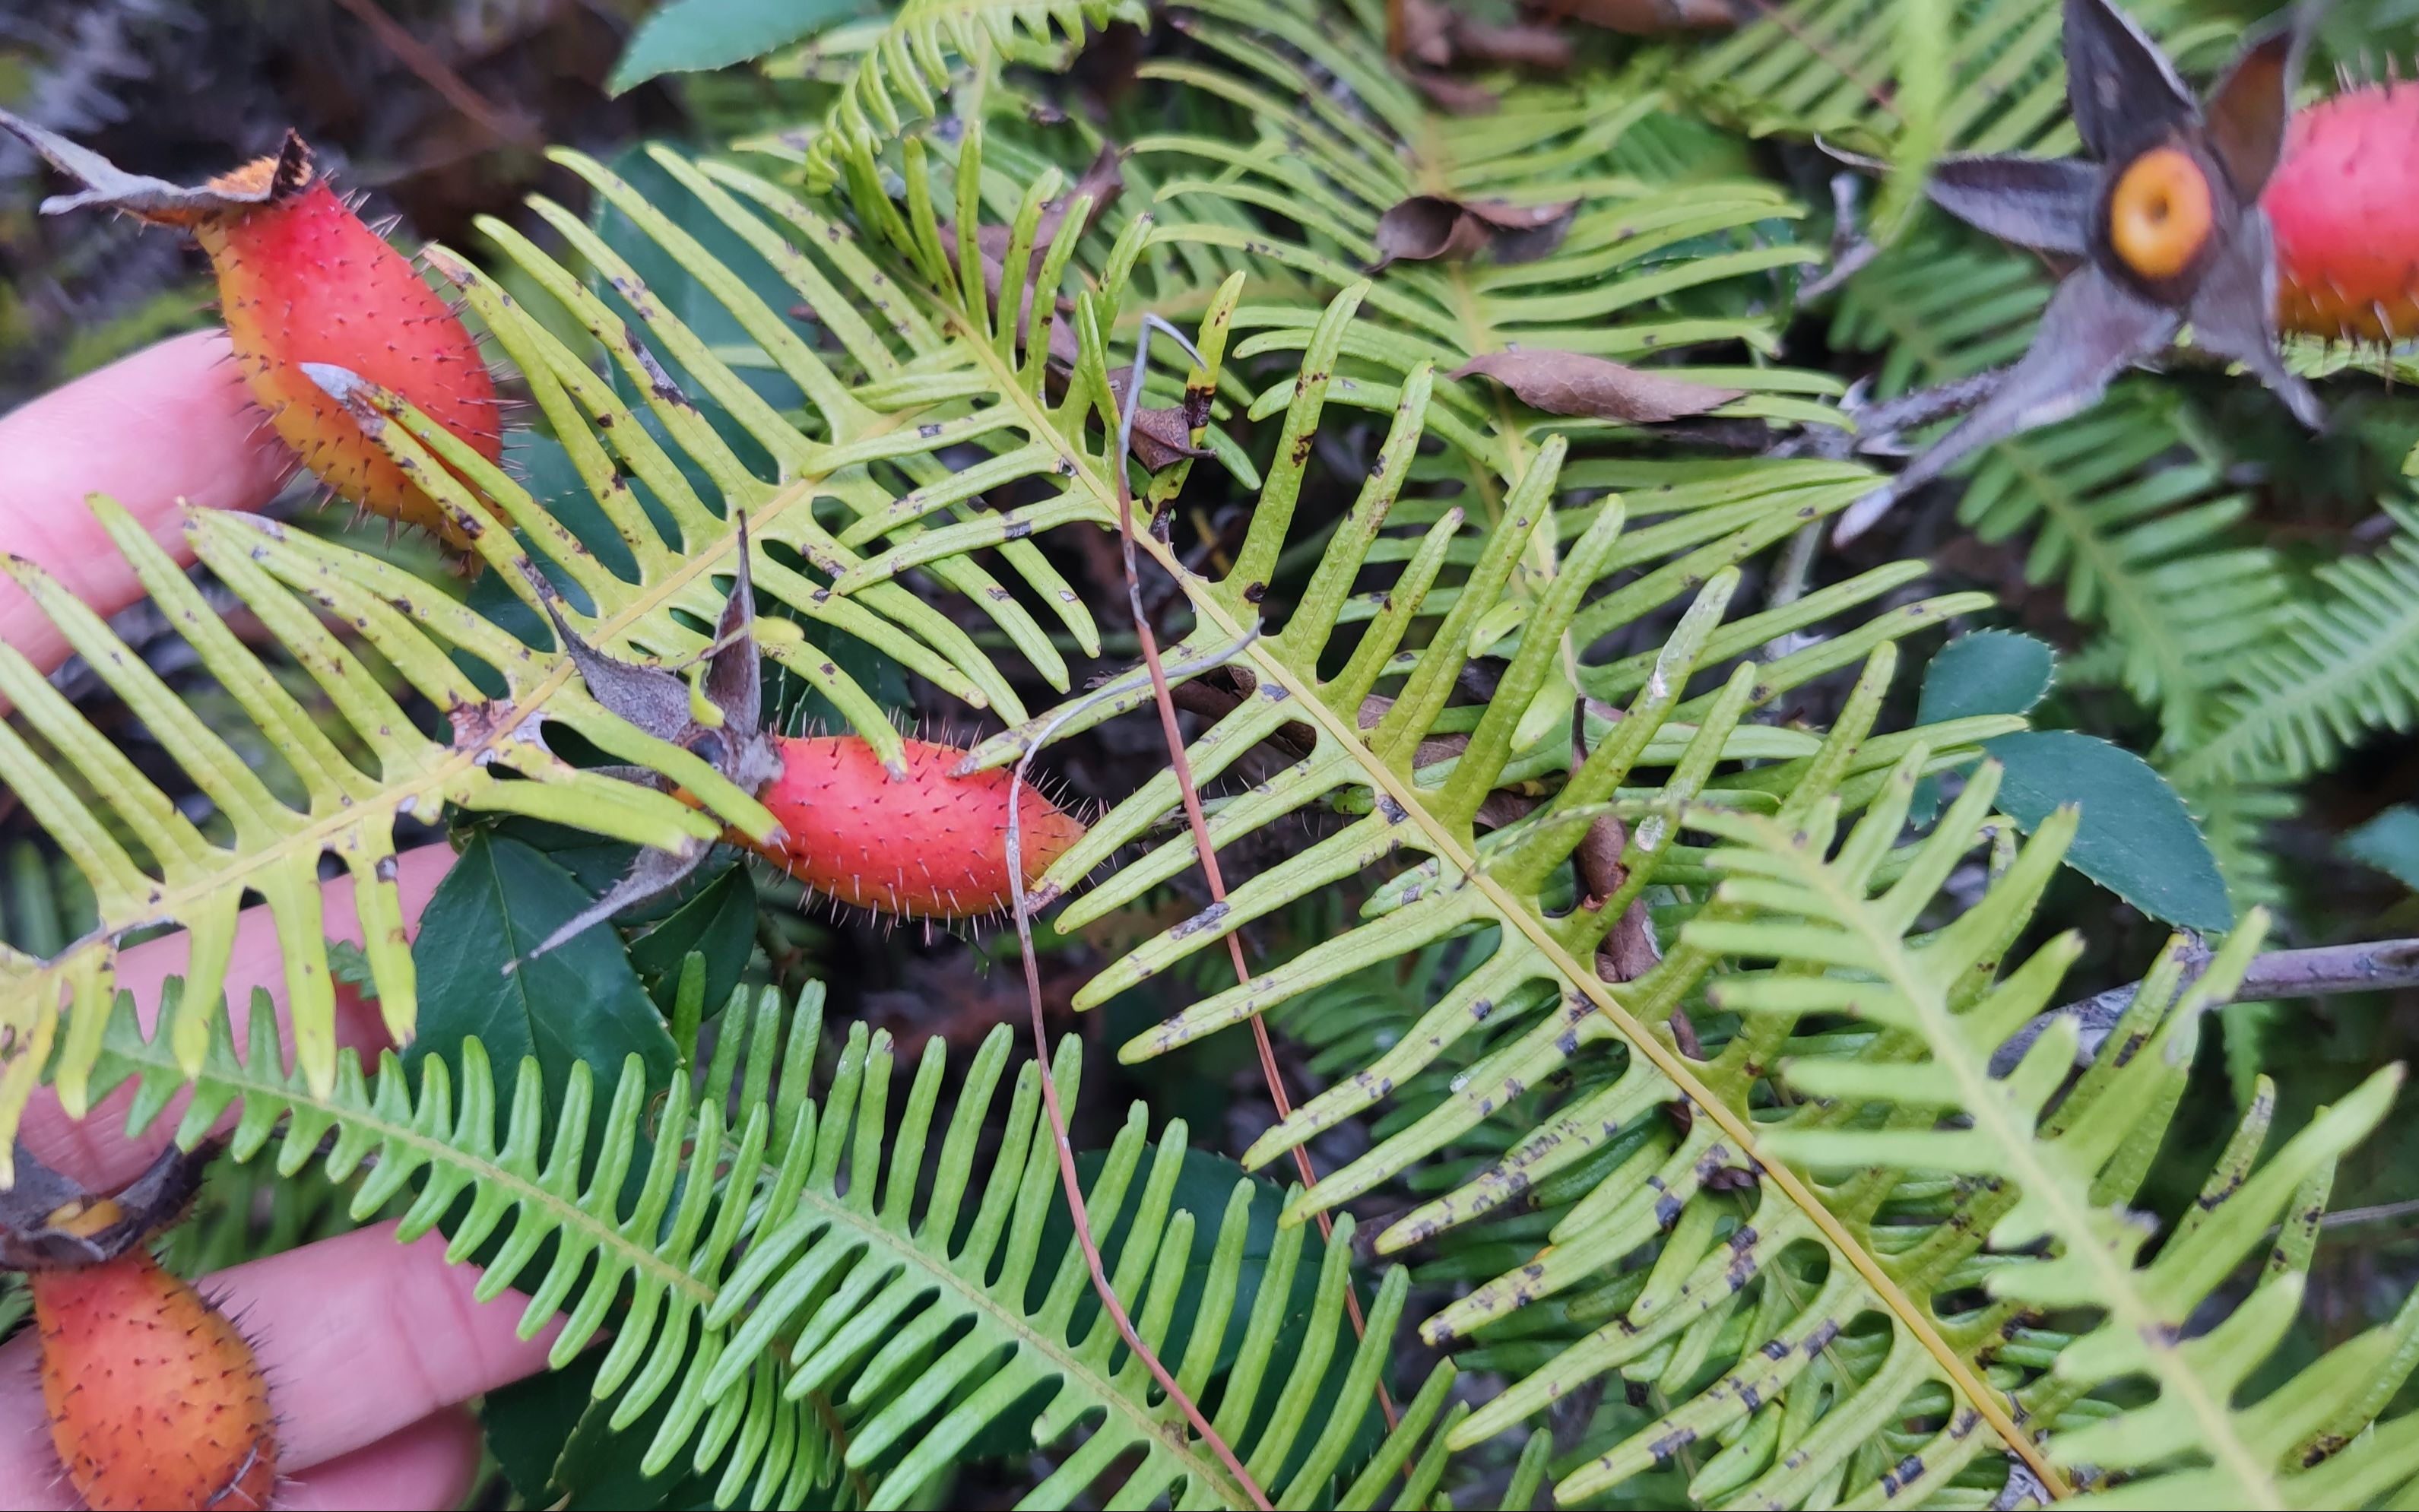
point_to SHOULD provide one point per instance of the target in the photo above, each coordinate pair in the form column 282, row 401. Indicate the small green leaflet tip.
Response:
column 1989, row 672
column 2388, row 843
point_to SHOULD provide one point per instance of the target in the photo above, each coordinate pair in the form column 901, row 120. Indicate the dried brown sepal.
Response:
column 49, row 1222
column 1425, row 227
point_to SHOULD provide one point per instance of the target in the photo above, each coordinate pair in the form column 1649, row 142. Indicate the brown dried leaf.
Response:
column 1427, row 33
column 1503, row 215
column 1163, row 435
column 484, row 725
column 1574, row 383
column 1523, row 44
column 1439, row 35
column 1524, row 233
column 1427, row 226
column 1103, row 180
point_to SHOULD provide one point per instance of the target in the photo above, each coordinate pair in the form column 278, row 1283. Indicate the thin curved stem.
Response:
column 1021, row 910
column 1182, row 764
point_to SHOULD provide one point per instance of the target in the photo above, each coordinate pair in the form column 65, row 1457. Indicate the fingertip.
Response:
column 430, row 1464
column 172, row 422
column 359, row 1335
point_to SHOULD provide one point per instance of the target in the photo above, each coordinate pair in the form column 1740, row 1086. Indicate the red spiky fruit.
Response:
column 2344, row 201
column 302, row 281
column 928, row 846
column 155, row 1398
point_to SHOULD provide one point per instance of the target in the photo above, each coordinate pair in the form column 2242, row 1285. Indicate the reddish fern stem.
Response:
column 440, row 76
column 1182, row 766
column 1069, row 1184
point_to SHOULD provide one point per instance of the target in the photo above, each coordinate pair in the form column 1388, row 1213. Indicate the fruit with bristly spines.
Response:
column 928, row 844
column 155, row 1397
column 2344, row 203
column 301, row 280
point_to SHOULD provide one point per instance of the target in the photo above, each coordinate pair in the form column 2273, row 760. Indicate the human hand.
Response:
column 370, row 1347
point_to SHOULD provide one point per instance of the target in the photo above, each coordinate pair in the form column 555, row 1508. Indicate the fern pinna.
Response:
column 813, row 1303
column 1673, row 1020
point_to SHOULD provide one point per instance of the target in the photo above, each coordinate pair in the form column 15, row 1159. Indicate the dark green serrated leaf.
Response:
column 528, row 1423
column 599, row 1469
column 1989, row 671
column 2137, row 839
column 693, row 36
column 582, row 1002
column 549, row 1436
column 2390, row 843
column 593, row 861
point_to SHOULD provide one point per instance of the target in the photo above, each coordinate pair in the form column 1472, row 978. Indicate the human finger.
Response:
column 95, row 1149
column 428, row 1465
column 174, row 421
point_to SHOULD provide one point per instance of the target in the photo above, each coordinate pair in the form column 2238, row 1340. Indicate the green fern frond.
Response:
column 2145, row 541
column 1936, row 311
column 1832, row 69
column 1645, row 268
column 149, row 863
column 2238, row 817
column 2345, row 666
column 815, row 1292
column 2051, row 1174
column 931, row 47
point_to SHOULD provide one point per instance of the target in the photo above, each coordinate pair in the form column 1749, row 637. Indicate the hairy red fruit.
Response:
column 155, row 1400
column 2344, row 201
column 929, row 845
column 302, row 281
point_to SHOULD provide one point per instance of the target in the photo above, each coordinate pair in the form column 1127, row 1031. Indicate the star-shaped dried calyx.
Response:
column 48, row 1221
column 720, row 720
column 2160, row 227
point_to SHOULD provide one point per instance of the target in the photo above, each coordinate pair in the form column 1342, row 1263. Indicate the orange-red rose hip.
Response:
column 155, row 1400
column 928, row 846
column 2344, row 201
column 302, row 281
